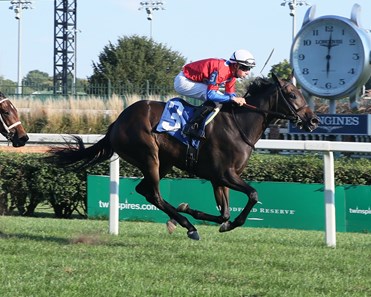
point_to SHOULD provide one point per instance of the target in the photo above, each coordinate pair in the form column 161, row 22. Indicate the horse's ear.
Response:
column 291, row 77
column 275, row 79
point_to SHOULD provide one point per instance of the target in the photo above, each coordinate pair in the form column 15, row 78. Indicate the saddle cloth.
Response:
column 174, row 117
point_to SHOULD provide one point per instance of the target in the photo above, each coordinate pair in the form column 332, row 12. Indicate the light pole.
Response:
column 151, row 6
column 18, row 6
column 292, row 6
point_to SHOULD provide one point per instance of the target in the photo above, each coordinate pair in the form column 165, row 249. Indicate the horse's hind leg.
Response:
column 150, row 190
column 222, row 201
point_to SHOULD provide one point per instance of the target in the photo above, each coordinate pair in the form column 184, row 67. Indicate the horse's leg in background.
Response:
column 235, row 182
column 221, row 195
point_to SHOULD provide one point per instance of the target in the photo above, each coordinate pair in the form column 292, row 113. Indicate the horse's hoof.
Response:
column 225, row 226
column 193, row 235
column 183, row 207
column 171, row 226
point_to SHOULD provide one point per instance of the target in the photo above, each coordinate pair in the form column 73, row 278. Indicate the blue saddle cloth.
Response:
column 174, row 117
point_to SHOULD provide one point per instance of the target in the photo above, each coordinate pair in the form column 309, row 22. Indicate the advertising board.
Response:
column 281, row 205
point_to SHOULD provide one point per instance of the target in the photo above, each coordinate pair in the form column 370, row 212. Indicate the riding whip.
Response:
column 266, row 62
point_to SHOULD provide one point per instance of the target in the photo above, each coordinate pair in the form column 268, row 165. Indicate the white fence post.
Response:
column 329, row 181
column 114, row 195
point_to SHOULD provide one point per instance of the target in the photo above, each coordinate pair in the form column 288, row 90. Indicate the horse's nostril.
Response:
column 314, row 121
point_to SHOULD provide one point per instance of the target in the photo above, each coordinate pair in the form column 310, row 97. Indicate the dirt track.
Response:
column 24, row 149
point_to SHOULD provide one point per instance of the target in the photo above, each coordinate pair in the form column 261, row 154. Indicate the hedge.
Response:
column 27, row 182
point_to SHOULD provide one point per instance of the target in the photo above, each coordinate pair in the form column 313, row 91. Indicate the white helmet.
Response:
column 243, row 57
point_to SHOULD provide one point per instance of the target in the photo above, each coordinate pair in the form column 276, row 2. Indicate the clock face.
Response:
column 328, row 57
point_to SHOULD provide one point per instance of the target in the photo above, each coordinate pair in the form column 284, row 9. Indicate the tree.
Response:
column 7, row 86
column 282, row 69
column 135, row 62
column 36, row 80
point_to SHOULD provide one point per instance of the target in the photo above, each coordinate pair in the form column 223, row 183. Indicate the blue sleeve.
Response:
column 217, row 97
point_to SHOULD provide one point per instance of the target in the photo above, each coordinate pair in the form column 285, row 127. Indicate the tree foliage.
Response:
column 282, row 69
column 7, row 86
column 135, row 61
column 36, row 80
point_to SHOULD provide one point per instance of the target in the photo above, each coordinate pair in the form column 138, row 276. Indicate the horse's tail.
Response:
column 78, row 154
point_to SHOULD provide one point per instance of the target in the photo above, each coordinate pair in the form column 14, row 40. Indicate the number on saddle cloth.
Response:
column 174, row 118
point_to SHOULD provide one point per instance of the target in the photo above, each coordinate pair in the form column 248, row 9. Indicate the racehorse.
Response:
column 222, row 156
column 11, row 127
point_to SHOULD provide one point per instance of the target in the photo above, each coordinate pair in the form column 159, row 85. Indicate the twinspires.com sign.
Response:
column 345, row 124
column 281, row 205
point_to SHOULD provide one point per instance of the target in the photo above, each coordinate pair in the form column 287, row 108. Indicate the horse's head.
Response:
column 293, row 105
column 10, row 126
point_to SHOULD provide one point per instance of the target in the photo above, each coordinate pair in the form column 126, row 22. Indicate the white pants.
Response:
column 189, row 88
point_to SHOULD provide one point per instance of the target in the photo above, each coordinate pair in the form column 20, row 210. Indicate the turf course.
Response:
column 50, row 257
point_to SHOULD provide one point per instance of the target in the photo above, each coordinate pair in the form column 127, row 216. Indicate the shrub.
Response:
column 26, row 182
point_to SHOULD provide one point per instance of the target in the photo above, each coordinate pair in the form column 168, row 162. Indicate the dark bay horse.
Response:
column 11, row 127
column 231, row 137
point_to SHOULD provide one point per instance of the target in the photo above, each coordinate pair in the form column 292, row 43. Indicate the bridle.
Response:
column 292, row 116
column 7, row 128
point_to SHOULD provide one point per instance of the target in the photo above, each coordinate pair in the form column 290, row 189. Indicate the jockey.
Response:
column 202, row 80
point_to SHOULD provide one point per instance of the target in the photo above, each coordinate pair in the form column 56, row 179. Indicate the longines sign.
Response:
column 348, row 124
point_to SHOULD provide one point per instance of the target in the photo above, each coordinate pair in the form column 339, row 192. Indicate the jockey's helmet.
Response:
column 243, row 57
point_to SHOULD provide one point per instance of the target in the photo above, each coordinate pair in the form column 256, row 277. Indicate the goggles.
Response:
column 244, row 68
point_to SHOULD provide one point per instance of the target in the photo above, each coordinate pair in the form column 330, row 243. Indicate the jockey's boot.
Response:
column 193, row 127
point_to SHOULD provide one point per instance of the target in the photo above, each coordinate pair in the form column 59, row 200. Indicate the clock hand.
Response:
column 328, row 56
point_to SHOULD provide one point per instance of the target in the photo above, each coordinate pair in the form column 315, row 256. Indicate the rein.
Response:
column 242, row 133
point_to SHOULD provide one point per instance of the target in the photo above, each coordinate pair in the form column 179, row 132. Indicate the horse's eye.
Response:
column 292, row 96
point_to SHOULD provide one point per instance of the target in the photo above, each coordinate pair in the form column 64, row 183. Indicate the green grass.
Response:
column 49, row 257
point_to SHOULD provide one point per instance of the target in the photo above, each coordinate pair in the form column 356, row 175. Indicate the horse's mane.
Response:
column 258, row 85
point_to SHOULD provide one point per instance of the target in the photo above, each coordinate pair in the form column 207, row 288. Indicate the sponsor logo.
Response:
column 327, row 42
column 339, row 124
column 263, row 210
column 126, row 205
column 360, row 211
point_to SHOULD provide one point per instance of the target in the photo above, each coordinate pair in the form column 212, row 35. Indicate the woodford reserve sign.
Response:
column 281, row 205
column 344, row 124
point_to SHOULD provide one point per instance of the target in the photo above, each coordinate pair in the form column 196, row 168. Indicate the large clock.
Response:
column 331, row 55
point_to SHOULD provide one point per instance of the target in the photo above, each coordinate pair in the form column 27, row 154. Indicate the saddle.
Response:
column 174, row 118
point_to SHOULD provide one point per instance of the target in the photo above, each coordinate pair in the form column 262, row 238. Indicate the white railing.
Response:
column 327, row 147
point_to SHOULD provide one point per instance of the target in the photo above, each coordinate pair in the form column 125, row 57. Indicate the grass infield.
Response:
column 50, row 257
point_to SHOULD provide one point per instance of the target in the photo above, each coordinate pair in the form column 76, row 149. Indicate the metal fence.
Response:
column 85, row 89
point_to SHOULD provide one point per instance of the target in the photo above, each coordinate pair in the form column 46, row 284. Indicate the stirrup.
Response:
column 197, row 134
